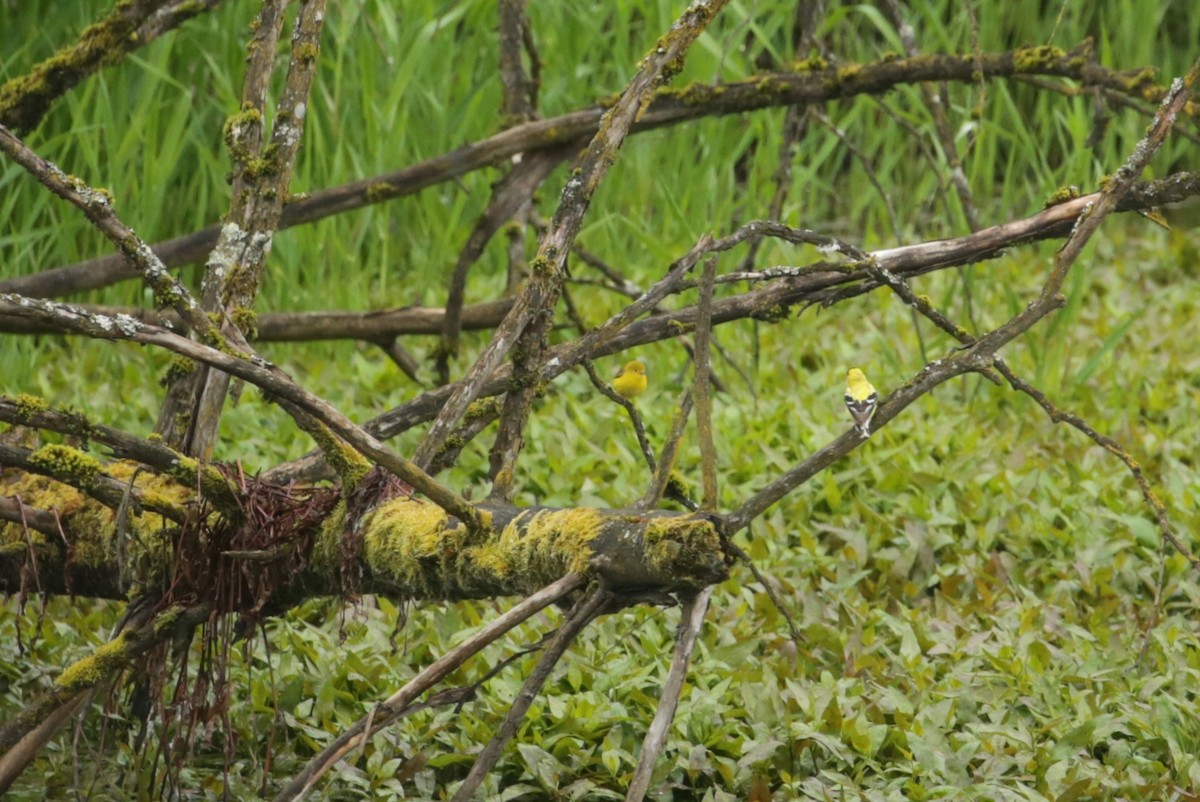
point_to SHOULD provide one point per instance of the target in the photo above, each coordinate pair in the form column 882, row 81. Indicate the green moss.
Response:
column 849, row 72
column 307, row 51
column 482, row 409
column 1034, row 59
column 1062, row 195
column 68, row 464
column 379, row 191
column 411, row 542
column 771, row 87
column 347, row 463
column 677, row 486
column 24, row 100
column 236, row 127
column 165, row 294
column 259, row 167
column 167, row 619
column 679, row 542
column 813, row 63
column 770, row 313
column 101, row 664
column 246, row 320
column 28, row 406
column 543, row 545
column 326, row 552
column 213, row 484
column 179, row 368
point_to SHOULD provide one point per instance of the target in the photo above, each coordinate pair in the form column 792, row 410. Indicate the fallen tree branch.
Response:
column 389, row 710
column 582, row 614
column 258, row 372
column 377, row 326
column 669, row 107
column 691, row 619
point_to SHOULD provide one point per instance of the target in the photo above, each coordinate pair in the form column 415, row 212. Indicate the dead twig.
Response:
column 388, row 710
column 580, row 616
column 691, row 619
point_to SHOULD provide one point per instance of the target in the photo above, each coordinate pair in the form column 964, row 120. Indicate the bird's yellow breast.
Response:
column 631, row 381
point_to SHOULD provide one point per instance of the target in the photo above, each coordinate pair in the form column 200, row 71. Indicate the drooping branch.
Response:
column 391, row 709
column 579, row 617
column 103, row 665
column 1052, row 410
column 97, row 206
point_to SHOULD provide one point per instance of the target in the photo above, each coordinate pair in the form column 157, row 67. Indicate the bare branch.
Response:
column 580, row 616
column 691, row 619
column 386, row 712
column 708, row 450
column 982, row 355
column 668, row 108
column 96, row 205
column 548, row 270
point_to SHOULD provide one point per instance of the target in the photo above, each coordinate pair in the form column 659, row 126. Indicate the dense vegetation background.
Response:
column 986, row 608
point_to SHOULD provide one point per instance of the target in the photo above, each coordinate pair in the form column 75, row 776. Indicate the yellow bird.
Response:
column 861, row 400
column 631, row 381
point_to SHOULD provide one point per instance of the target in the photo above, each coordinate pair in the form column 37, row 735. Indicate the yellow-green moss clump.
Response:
column 28, row 405
column 1062, row 195
column 106, row 661
column 1031, row 59
column 411, row 542
column 92, row 526
column 379, row 191
column 680, row 541
column 326, row 548
column 68, row 464
column 347, row 463
column 539, row 547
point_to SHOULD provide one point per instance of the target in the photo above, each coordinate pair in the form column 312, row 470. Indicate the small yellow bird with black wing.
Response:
column 861, row 400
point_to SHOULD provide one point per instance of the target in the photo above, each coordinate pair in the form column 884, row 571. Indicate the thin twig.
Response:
column 704, row 429
column 691, row 619
column 579, row 617
column 387, row 711
column 666, row 462
column 740, row 553
column 639, row 428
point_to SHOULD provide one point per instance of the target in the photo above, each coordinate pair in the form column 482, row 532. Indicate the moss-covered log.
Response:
column 404, row 548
